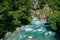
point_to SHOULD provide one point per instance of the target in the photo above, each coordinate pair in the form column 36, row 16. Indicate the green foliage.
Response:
column 29, row 18
column 16, row 23
column 54, row 4
column 12, row 12
column 54, row 20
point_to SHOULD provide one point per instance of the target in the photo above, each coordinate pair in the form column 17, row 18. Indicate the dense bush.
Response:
column 14, row 13
column 54, row 20
column 54, row 4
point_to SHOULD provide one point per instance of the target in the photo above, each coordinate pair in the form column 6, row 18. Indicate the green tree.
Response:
column 54, row 20
column 54, row 4
column 12, row 12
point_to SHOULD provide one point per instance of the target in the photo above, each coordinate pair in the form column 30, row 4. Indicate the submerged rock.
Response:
column 39, row 30
column 28, row 29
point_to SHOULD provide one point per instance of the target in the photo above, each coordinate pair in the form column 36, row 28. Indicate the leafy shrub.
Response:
column 54, row 4
column 16, row 23
column 12, row 12
column 54, row 20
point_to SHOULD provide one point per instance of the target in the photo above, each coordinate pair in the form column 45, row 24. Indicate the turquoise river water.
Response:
column 35, row 31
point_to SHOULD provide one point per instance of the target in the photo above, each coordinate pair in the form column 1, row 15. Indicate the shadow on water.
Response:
column 58, row 30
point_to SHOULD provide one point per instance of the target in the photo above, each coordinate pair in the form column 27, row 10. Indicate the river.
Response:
column 35, row 31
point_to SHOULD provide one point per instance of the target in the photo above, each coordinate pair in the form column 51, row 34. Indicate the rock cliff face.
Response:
column 42, row 13
column 39, row 15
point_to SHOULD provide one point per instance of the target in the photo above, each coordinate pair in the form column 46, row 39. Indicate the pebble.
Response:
column 30, row 37
column 1, row 39
column 18, row 29
column 8, row 33
column 28, row 29
column 37, row 13
column 39, row 30
column 48, row 33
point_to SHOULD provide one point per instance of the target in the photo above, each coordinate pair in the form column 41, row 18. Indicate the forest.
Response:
column 14, row 13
